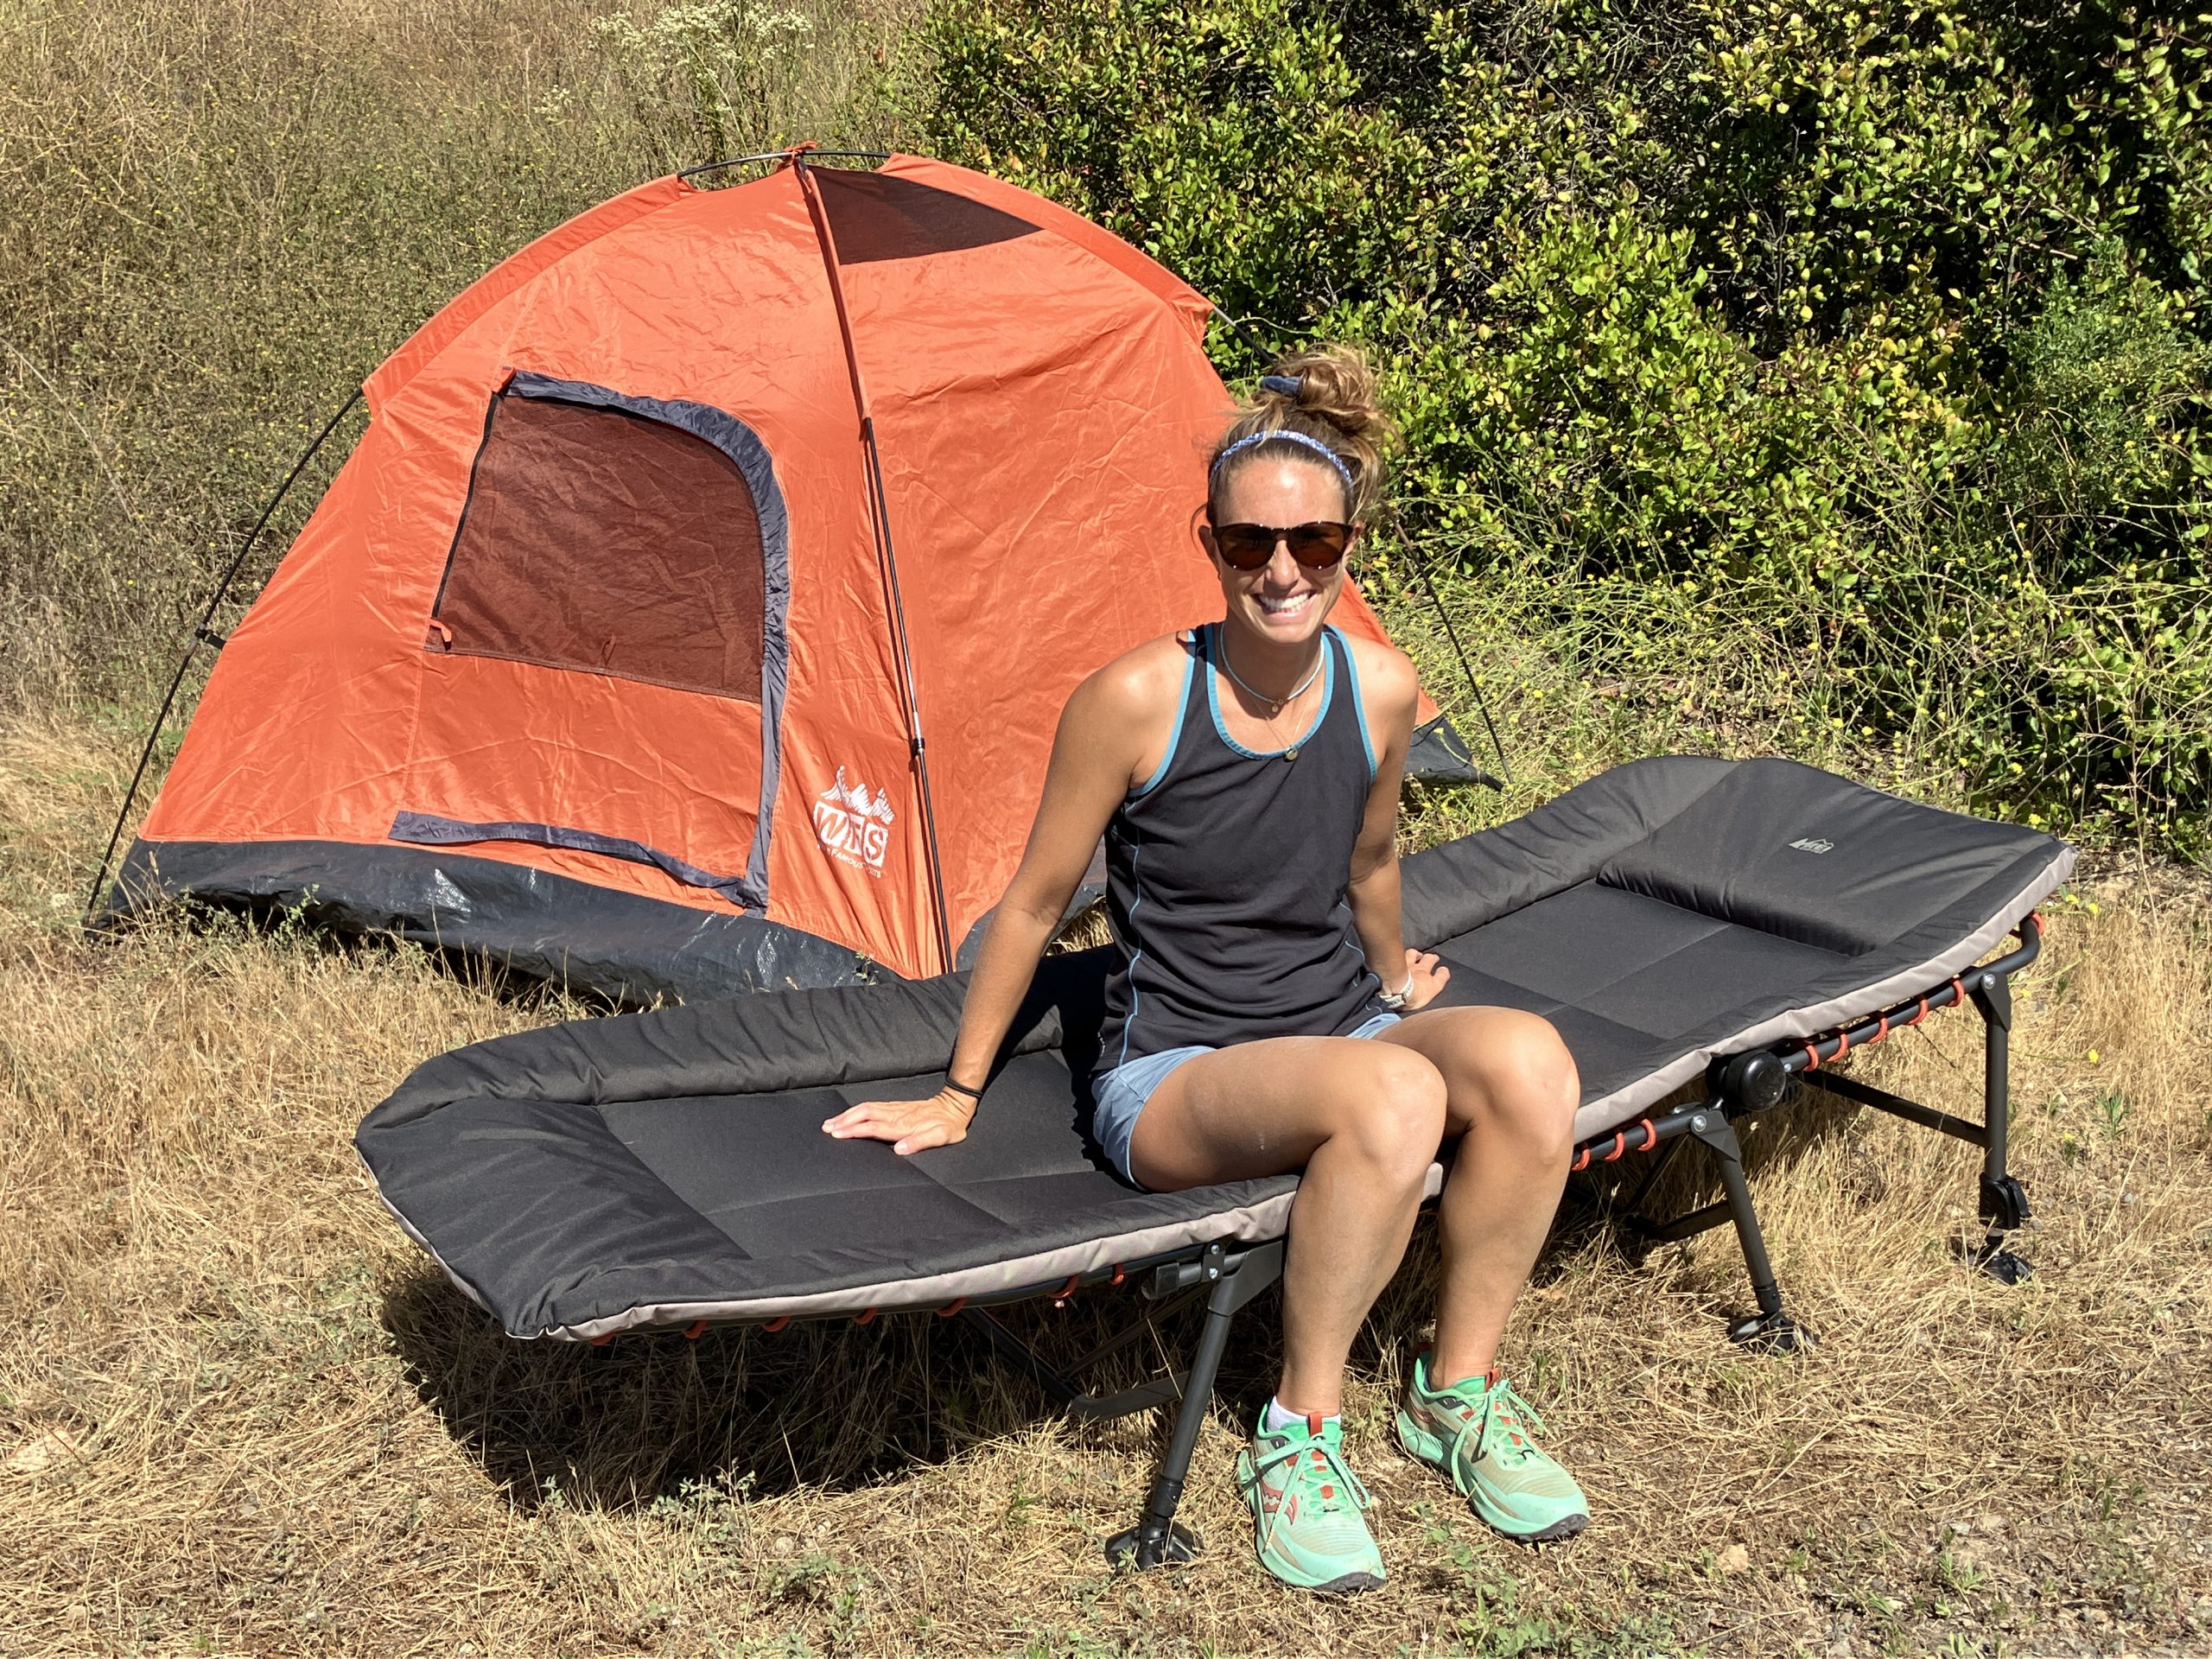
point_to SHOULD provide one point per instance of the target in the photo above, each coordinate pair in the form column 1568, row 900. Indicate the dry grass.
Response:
column 239, row 1413
column 221, row 214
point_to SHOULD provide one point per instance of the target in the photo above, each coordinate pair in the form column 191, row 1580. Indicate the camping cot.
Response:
column 1733, row 927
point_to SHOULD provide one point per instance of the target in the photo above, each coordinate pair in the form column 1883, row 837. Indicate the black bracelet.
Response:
column 976, row 1094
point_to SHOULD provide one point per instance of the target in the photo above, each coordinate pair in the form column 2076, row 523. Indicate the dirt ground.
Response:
column 239, row 1413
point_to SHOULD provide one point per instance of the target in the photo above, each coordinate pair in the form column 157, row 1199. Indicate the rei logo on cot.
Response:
column 853, row 826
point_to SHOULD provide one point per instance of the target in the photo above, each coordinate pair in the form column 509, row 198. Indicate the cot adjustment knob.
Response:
column 1753, row 1083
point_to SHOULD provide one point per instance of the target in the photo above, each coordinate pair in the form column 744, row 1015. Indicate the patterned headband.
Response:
column 1285, row 435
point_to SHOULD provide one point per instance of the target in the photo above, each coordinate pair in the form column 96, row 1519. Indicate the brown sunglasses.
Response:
column 1319, row 545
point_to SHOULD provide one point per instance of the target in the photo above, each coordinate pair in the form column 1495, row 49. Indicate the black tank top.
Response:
column 1226, row 877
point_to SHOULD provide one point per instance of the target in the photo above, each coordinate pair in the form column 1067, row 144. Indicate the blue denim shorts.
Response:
column 1118, row 1095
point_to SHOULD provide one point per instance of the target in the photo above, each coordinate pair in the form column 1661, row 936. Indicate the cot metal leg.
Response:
column 1156, row 1539
column 2004, row 1204
column 1771, row 1329
column 2004, row 1200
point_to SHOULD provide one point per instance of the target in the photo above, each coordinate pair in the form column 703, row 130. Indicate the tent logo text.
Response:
column 853, row 826
column 1812, row 844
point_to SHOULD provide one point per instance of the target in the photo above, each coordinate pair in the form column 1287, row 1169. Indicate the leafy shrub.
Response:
column 1878, row 327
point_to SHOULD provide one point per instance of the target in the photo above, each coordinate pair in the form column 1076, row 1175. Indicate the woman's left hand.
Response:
column 1426, row 976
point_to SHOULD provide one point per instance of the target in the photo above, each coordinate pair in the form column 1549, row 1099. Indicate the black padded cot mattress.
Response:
column 667, row 1168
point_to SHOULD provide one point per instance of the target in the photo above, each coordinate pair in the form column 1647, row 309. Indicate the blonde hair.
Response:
column 1335, row 404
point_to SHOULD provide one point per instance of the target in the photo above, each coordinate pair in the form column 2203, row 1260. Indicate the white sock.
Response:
column 1274, row 1418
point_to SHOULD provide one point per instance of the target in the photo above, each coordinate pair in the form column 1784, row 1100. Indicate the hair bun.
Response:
column 1327, row 394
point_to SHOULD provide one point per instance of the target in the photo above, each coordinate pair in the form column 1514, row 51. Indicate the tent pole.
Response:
column 881, row 513
column 203, row 631
column 783, row 155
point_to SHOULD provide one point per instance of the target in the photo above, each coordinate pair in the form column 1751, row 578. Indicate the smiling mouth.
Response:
column 1287, row 605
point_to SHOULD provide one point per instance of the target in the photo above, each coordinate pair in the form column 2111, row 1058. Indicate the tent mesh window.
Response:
column 603, row 541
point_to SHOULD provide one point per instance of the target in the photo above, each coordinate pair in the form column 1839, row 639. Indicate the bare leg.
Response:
column 1363, row 1118
column 1511, row 1093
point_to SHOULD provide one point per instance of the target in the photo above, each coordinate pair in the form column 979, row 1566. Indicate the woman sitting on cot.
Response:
column 1267, row 1016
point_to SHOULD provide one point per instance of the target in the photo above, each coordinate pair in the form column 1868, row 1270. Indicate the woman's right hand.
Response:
column 1096, row 759
column 909, row 1125
column 1425, row 976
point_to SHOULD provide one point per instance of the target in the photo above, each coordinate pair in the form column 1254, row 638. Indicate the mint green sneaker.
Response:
column 1476, row 1433
column 1306, row 1509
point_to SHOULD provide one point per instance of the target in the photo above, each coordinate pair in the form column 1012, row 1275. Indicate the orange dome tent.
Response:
column 695, row 614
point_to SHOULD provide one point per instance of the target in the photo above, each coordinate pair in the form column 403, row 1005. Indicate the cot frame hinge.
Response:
column 1754, row 1081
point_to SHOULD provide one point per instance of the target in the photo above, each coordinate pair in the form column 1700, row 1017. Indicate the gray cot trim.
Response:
column 1611, row 1111
column 742, row 445
column 429, row 1249
column 429, row 830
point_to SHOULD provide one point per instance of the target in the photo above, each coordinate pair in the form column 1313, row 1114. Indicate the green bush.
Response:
column 1879, row 328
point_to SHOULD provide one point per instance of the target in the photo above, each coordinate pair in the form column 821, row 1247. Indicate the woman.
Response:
column 1267, row 1016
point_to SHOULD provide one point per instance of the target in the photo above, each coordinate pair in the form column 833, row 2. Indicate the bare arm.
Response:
column 1093, row 761
column 1390, row 691
column 1097, row 756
